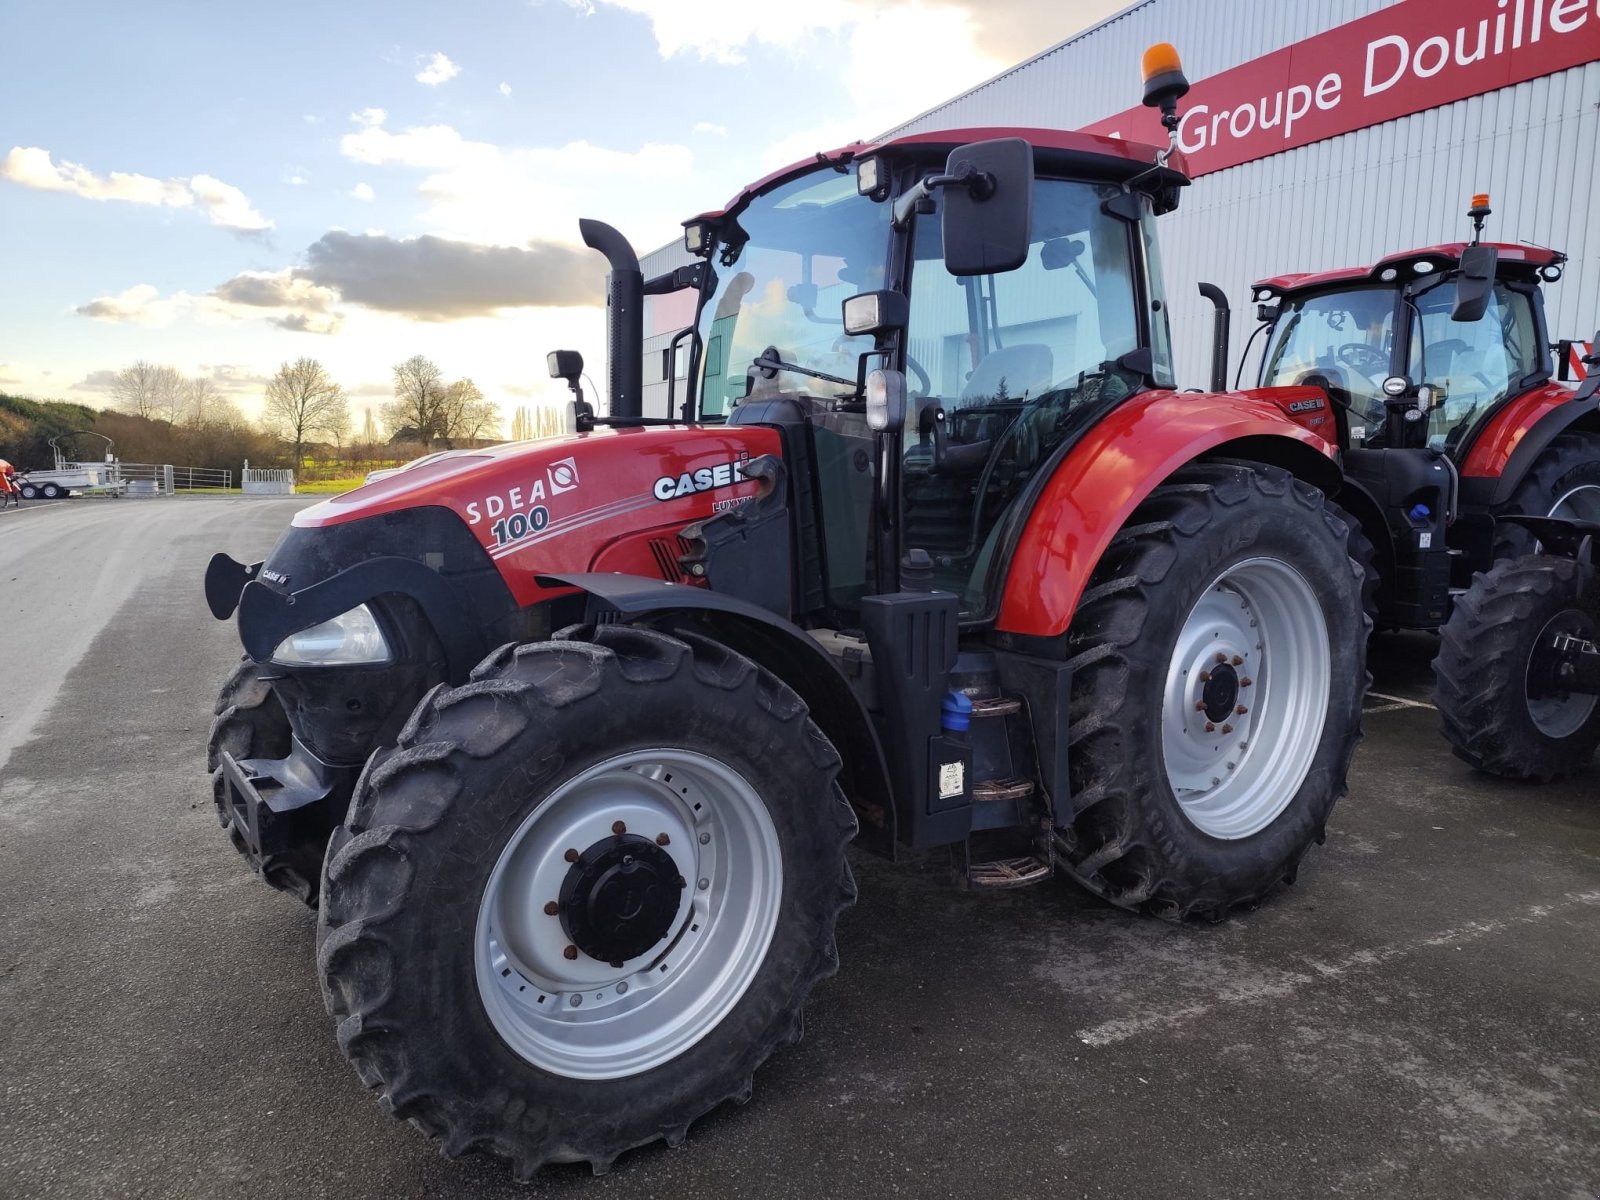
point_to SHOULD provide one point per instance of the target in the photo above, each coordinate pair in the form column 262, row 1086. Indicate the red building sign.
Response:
column 1414, row 55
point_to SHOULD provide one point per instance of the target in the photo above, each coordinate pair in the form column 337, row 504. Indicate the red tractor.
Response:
column 1439, row 369
column 568, row 738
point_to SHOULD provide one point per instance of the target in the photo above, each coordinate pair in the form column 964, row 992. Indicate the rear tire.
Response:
column 417, row 876
column 1485, row 653
column 251, row 723
column 1563, row 482
column 1151, row 827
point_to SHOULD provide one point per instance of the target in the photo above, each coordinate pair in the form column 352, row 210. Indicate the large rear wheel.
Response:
column 1503, row 705
column 1219, row 664
column 586, row 897
column 1563, row 482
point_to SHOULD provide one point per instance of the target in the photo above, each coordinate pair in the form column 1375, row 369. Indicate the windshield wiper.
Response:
column 770, row 364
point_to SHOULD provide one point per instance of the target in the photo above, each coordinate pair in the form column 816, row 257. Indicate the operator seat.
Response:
column 1028, row 370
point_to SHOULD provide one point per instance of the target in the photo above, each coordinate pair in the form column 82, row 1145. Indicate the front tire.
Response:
column 1488, row 656
column 1199, row 782
column 250, row 723
column 491, row 984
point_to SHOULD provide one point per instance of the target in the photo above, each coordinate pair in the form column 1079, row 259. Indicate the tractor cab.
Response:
column 938, row 346
column 1421, row 350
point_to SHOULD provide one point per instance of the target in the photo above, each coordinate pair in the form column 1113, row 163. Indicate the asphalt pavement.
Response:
column 1419, row 1015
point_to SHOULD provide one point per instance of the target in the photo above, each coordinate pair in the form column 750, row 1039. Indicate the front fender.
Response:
column 782, row 648
column 1517, row 435
column 1124, row 458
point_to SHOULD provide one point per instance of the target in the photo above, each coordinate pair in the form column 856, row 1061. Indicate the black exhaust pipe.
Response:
column 624, row 318
column 1219, row 336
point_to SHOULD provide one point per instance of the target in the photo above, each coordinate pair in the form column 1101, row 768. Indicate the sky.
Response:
column 225, row 187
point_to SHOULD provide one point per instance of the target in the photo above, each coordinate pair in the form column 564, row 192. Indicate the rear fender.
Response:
column 1501, row 456
column 1130, row 453
column 782, row 648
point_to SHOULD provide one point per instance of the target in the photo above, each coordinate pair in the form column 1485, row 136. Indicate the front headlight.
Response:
column 350, row 638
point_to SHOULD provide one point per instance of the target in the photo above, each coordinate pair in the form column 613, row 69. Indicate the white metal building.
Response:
column 1500, row 96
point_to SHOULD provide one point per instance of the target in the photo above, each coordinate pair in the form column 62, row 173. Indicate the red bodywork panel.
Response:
column 1492, row 449
column 1533, row 257
column 589, row 502
column 1122, row 460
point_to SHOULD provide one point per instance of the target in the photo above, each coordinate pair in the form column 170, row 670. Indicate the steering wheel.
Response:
column 1360, row 357
column 923, row 382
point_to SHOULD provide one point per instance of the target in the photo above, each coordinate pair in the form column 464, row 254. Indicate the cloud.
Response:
column 140, row 304
column 279, row 297
column 369, row 116
column 505, row 88
column 363, row 191
column 711, row 127
column 507, row 195
column 299, row 322
column 437, row 279
column 224, row 204
column 102, row 380
column 234, row 377
column 439, row 69
column 275, row 289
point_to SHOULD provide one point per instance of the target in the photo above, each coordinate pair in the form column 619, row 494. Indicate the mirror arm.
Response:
column 918, row 198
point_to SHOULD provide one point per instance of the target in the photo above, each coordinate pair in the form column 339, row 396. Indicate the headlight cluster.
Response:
column 351, row 638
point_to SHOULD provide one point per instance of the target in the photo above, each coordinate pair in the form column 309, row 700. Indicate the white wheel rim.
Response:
column 1234, row 773
column 587, row 1019
column 1582, row 503
column 1560, row 717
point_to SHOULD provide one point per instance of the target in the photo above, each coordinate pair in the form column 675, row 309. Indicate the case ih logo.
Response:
column 1300, row 406
column 563, row 476
column 670, row 487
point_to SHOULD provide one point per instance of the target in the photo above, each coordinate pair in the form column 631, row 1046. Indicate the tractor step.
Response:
column 993, row 791
column 1009, row 872
column 995, row 706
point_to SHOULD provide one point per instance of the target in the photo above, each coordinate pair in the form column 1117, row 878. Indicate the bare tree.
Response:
column 302, row 400
column 419, row 407
column 148, row 390
column 203, row 404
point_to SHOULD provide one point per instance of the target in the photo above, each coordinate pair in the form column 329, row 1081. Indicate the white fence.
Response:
column 267, row 481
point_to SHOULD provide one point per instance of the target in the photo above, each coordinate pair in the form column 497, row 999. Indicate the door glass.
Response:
column 1011, row 359
column 1471, row 365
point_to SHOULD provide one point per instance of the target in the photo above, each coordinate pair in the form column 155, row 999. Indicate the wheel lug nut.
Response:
column 1246, row 681
column 570, row 953
column 1227, row 729
column 663, row 840
column 1221, row 657
column 1210, row 728
column 1238, row 660
column 1205, row 676
column 571, row 856
column 1199, row 706
column 551, row 908
column 705, row 839
column 1239, row 710
column 618, row 828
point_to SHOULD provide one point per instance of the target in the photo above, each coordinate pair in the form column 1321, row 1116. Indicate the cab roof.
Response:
column 1441, row 257
column 1117, row 158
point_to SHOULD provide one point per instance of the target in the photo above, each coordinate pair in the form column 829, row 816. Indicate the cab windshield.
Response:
column 1343, row 342
column 809, row 245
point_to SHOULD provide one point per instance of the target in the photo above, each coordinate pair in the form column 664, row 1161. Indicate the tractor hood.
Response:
column 568, row 503
column 466, row 537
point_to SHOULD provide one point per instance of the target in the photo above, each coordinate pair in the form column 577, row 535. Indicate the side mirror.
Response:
column 1474, row 282
column 886, row 401
column 988, row 207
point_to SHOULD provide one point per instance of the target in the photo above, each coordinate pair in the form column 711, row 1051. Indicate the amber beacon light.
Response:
column 1164, row 81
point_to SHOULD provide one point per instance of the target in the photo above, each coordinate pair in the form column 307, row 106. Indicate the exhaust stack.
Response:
column 624, row 319
column 1219, row 336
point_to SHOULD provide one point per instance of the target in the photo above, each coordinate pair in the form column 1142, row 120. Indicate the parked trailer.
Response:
column 67, row 476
